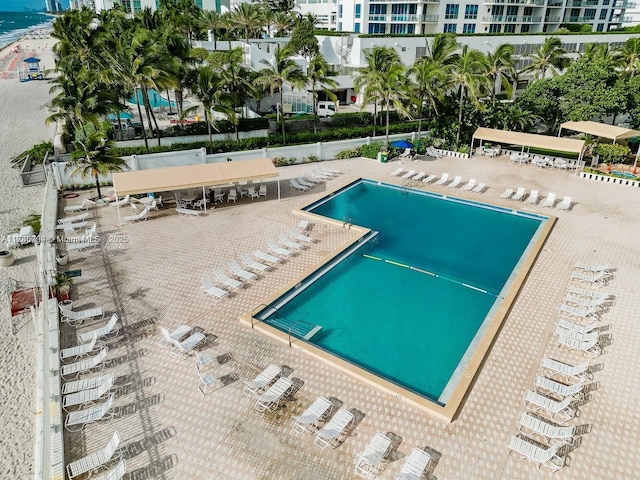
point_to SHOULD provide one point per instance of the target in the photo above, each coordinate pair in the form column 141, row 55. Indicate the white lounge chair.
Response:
column 578, row 336
column 87, row 416
column 303, row 226
column 86, row 383
column 116, row 473
column 592, row 268
column 418, row 177
column 262, row 380
column 76, row 318
column 177, row 335
column 296, row 186
column 408, row 175
column 300, row 237
column 233, row 195
column 601, row 278
column 588, row 314
column 432, row 152
column 590, row 346
column 207, row 286
column 328, row 171
column 240, row 272
column 266, row 257
column 546, row 458
column 396, row 172
column 455, row 182
column 304, row 183
column 443, row 179
column 479, row 188
column 188, row 212
column 429, row 179
column 560, row 411
column 74, row 219
column 415, row 466
column 565, row 204
column 226, row 280
column 556, row 367
column 87, row 397
column 253, row 265
column 507, row 193
column 279, row 250
column 369, row 461
column 104, row 331
column 140, row 217
column 95, row 460
column 469, row 185
column 85, row 245
column 331, row 433
column 206, row 381
column 290, row 244
column 590, row 293
column 79, row 351
column 533, row 197
column 547, row 385
column 550, row 200
column 566, row 324
column 314, row 414
column 271, row 398
column 187, row 345
column 122, row 201
column 85, row 205
column 519, row 195
column 600, row 303
column 74, row 369
column 262, row 191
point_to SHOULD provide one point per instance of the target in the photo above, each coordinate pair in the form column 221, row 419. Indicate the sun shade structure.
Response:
column 505, row 137
column 192, row 176
column 600, row 130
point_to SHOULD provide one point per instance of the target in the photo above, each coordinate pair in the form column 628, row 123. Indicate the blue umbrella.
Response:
column 402, row 144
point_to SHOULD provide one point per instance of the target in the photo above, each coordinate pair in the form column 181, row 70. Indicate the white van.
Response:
column 326, row 108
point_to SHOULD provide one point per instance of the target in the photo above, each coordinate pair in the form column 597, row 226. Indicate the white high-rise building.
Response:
column 135, row 6
column 474, row 16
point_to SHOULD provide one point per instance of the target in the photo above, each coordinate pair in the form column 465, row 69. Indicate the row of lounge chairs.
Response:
column 533, row 198
column 560, row 386
column 412, row 176
column 316, row 176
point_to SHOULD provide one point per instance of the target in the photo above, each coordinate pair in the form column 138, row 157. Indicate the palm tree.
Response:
column 94, row 155
column 371, row 78
column 396, row 92
column 207, row 88
column 630, row 56
column 283, row 71
column 247, row 17
column 442, row 50
column 317, row 73
column 500, row 66
column 212, row 20
column 429, row 84
column 468, row 76
column 603, row 51
column 549, row 57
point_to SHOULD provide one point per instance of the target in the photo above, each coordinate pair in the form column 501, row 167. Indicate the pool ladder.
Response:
column 347, row 222
column 260, row 306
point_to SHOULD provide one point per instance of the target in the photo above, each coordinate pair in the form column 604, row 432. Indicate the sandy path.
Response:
column 22, row 110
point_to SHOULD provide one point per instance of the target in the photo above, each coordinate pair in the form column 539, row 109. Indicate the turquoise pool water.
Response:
column 155, row 99
column 407, row 304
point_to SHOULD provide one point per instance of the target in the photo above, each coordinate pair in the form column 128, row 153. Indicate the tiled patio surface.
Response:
column 171, row 431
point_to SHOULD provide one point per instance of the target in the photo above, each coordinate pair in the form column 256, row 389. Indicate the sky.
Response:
column 20, row 5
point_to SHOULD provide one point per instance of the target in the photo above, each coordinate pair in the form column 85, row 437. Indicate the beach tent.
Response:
column 192, row 176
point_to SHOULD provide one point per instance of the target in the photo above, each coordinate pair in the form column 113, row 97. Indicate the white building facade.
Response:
column 135, row 6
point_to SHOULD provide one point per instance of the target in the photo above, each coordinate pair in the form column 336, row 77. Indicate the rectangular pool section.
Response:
column 411, row 303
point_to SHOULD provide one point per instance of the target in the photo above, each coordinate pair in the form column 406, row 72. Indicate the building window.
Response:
column 399, row 28
column 471, row 12
column 377, row 9
column 605, row 2
column 600, row 27
column 510, row 28
column 451, row 12
column 512, row 10
column 449, row 28
column 524, row 28
column 376, row 28
column 356, row 27
column 528, row 11
column 339, row 26
column 469, row 28
column 340, row 11
column 589, row 13
column 358, row 11
column 494, row 28
column 603, row 14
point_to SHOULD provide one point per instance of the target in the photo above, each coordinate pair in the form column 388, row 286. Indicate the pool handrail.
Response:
column 253, row 311
column 296, row 323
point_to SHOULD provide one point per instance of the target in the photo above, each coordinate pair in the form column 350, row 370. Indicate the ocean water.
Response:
column 14, row 25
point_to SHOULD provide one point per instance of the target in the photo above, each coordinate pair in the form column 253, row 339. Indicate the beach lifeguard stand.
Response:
column 31, row 70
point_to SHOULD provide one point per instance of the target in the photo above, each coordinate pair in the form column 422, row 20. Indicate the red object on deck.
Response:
column 22, row 300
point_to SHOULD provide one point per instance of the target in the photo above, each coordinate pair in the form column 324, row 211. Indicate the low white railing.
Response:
column 608, row 179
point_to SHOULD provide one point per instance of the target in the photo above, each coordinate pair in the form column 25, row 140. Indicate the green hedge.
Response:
column 222, row 126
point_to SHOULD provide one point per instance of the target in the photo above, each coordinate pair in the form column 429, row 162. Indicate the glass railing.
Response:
column 430, row 18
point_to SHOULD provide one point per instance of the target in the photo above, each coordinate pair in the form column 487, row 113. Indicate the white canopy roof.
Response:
column 506, row 137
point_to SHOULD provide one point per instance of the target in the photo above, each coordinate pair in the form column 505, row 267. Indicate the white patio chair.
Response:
column 303, row 226
column 592, row 268
column 550, row 200
column 314, row 414
column 519, row 195
column 140, row 217
column 260, row 255
column 332, row 432
column 429, row 179
column 586, row 314
column 79, row 351
column 565, row 204
column 418, row 177
column 601, row 278
column 408, row 175
column 271, row 398
column 369, row 461
column 507, row 193
column 233, row 195
column 88, row 416
column 253, row 265
column 85, row 205
column 226, row 280
column 262, row 380
column 95, row 460
column 290, row 244
column 566, row 324
column 186, row 346
column 296, row 235
column 168, row 338
column 262, row 191
column 77, row 317
column 86, row 383
column 547, row 385
column 252, row 193
column 88, row 396
column 469, row 185
column 591, row 346
column 296, row 186
column 207, row 286
column 116, row 473
column 283, row 252
column 479, row 188
column 120, row 202
column 443, row 179
column 105, row 331
column 555, row 367
column 72, row 370
column 455, row 182
column 533, row 197
column 240, row 272
column 559, row 411
column 207, row 381
column 397, row 172
column 589, row 293
column 415, row 466
column 598, row 303
column 546, row 458
column 74, row 219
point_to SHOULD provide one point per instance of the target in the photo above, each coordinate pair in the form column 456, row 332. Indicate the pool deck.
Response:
column 170, row 430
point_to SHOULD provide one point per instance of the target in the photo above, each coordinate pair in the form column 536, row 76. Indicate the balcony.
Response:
column 552, row 19
column 430, row 18
column 511, row 19
column 377, row 18
column 626, row 5
column 555, row 3
column 404, row 18
column 580, row 19
column 516, row 2
column 583, row 3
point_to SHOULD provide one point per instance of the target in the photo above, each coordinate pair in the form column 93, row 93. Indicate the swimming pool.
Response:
column 622, row 174
column 155, row 99
column 412, row 303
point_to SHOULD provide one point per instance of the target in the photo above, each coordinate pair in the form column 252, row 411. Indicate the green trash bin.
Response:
column 383, row 156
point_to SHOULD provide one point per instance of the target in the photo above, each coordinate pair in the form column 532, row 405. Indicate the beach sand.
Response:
column 22, row 110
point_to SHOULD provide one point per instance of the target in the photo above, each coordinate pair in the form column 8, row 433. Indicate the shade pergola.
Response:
column 192, row 176
column 600, row 130
column 530, row 140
